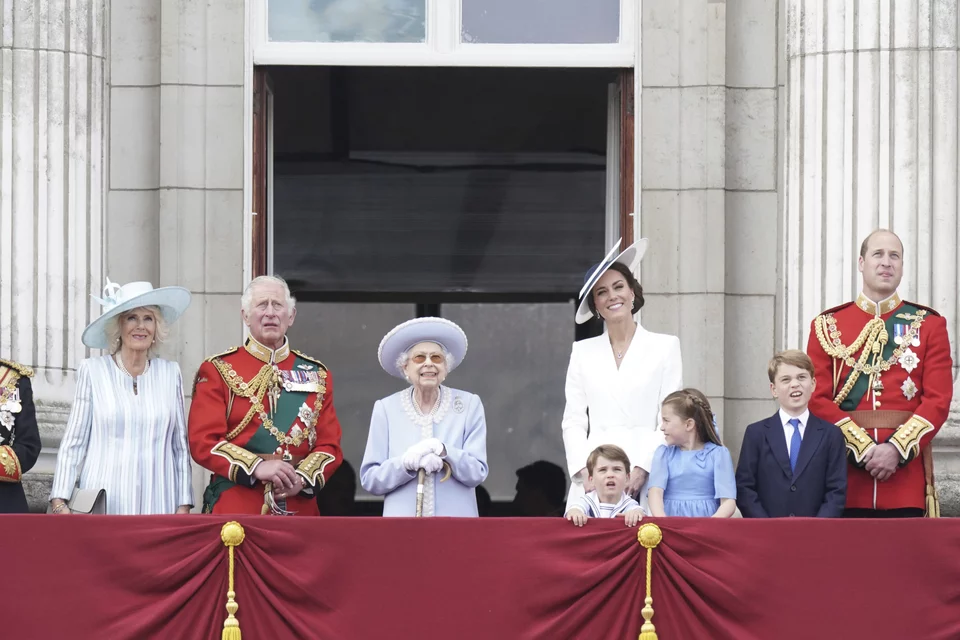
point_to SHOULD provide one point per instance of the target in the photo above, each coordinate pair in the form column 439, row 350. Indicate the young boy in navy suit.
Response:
column 793, row 463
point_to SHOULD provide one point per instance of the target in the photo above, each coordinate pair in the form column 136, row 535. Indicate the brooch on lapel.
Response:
column 458, row 405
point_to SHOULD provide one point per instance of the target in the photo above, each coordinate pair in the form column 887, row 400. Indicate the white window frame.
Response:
column 443, row 46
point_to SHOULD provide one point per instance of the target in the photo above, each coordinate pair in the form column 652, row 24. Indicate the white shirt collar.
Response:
column 785, row 418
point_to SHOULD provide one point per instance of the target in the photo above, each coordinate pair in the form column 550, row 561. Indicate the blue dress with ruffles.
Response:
column 693, row 482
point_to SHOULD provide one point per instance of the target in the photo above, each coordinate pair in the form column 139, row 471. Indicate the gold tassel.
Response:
column 649, row 536
column 267, row 490
column 932, row 502
column 232, row 536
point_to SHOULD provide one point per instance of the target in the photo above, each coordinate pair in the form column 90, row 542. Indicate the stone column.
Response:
column 682, row 107
column 709, row 195
column 871, row 141
column 201, row 210
column 51, row 197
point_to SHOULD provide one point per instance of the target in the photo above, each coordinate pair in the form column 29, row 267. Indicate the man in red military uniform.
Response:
column 884, row 376
column 262, row 419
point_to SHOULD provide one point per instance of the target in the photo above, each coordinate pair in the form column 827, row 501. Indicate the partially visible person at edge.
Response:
column 426, row 425
column 19, row 435
column 126, row 433
column 541, row 490
column 262, row 419
column 617, row 381
column 884, row 375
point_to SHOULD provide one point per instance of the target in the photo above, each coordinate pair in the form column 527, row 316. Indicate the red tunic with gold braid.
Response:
column 885, row 365
column 251, row 404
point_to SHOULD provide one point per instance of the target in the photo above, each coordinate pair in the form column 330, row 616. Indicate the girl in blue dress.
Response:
column 692, row 474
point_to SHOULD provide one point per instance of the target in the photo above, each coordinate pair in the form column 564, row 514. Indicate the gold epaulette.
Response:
column 313, row 360
column 836, row 308
column 925, row 308
column 16, row 366
column 225, row 353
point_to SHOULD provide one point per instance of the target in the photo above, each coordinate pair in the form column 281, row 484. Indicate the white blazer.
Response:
column 606, row 405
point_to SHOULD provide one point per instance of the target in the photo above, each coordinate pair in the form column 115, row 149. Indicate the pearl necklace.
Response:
column 119, row 360
column 436, row 405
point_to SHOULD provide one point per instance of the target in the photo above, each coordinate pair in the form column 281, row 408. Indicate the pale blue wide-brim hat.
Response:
column 631, row 257
column 172, row 302
column 412, row 332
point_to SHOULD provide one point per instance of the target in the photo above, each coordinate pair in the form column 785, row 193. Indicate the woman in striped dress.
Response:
column 126, row 433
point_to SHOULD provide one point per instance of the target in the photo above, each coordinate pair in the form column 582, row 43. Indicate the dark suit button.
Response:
column 792, row 516
column 793, row 488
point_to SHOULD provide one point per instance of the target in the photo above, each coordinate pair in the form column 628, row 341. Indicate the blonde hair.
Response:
column 160, row 334
column 792, row 357
column 611, row 452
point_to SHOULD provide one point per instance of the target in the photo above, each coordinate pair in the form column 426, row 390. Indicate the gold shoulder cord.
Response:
column 253, row 390
column 873, row 338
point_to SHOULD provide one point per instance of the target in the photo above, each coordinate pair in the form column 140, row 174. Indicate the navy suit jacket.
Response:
column 767, row 488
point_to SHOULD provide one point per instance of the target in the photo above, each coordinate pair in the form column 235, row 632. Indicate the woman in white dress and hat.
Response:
column 427, row 425
column 126, row 433
column 616, row 382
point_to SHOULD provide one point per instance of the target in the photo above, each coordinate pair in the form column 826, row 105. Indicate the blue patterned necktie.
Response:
column 794, row 443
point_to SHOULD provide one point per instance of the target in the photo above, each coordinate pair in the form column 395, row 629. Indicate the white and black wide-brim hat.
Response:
column 172, row 302
column 412, row 332
column 631, row 257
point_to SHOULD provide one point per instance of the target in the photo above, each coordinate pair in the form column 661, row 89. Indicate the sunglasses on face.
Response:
column 435, row 358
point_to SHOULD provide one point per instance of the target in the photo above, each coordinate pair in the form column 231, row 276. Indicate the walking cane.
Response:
column 422, row 477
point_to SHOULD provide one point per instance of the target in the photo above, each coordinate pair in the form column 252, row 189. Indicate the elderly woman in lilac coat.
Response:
column 426, row 426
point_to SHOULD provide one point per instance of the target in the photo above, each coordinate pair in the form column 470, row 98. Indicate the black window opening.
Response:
column 433, row 185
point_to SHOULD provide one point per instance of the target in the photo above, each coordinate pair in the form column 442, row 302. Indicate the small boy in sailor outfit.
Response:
column 607, row 467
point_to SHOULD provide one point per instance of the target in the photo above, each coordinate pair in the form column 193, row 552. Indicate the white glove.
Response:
column 431, row 463
column 411, row 458
column 432, row 445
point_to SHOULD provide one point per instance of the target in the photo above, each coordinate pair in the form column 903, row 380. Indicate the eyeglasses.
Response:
column 435, row 358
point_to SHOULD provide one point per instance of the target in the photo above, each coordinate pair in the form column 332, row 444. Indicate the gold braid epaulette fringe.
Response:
column 310, row 358
column 22, row 369
column 253, row 391
column 228, row 352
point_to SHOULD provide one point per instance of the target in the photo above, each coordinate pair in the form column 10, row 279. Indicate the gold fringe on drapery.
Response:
column 649, row 536
column 232, row 536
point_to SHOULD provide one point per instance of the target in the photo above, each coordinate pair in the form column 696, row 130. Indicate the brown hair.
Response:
column 611, row 452
column 691, row 404
column 793, row 357
column 632, row 282
column 866, row 241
